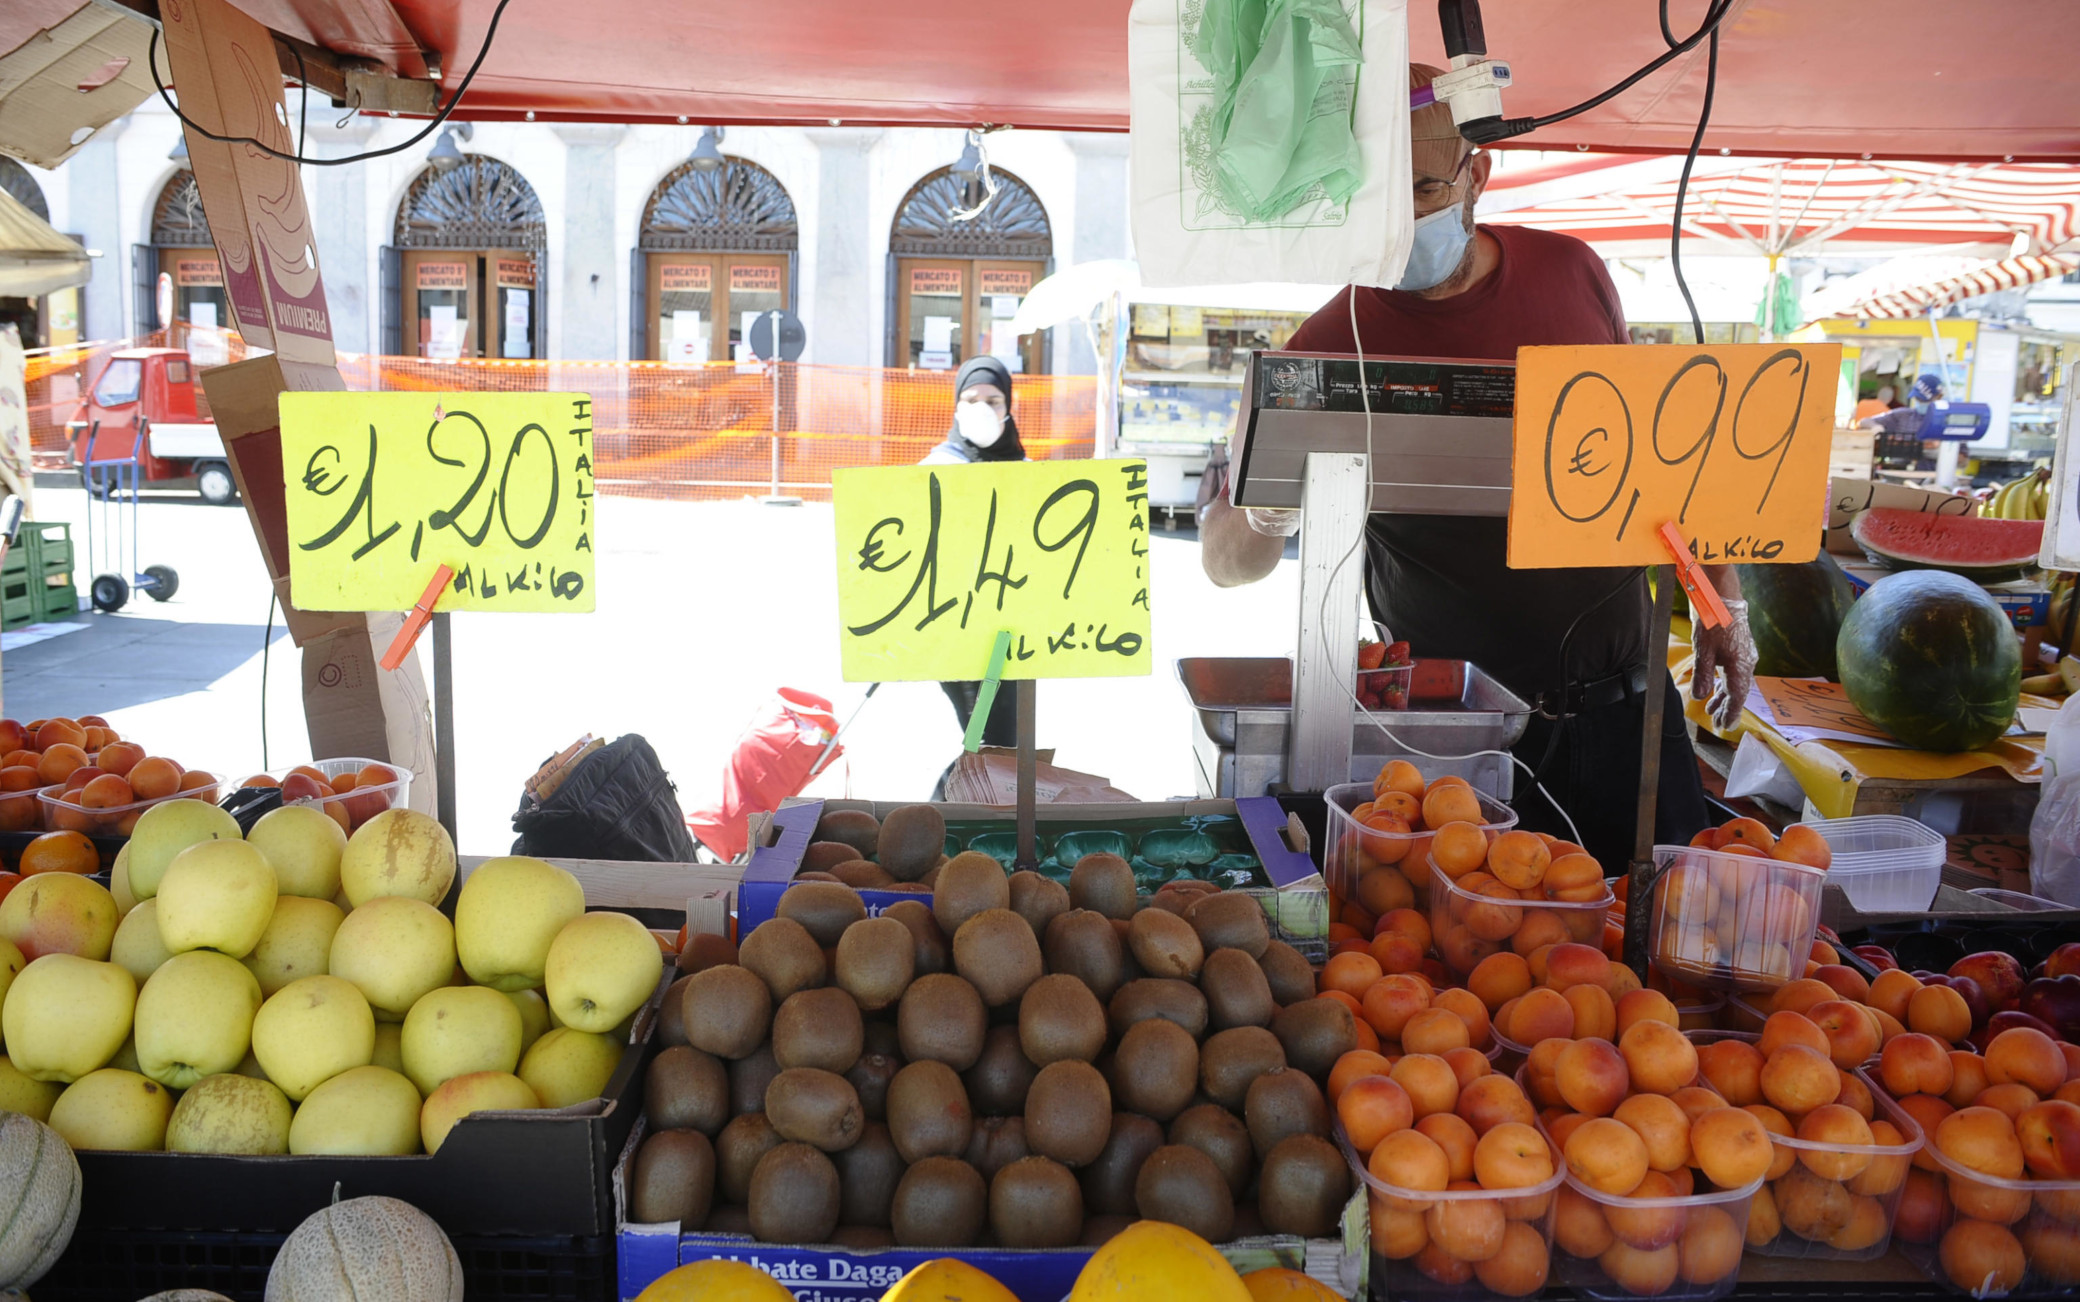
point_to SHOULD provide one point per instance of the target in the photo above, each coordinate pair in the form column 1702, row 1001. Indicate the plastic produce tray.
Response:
column 1884, row 863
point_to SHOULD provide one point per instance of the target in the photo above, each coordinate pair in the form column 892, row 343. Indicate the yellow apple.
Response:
column 12, row 960
column 66, row 1015
column 138, row 949
column 113, row 1109
column 250, row 1065
column 398, row 852
column 456, row 1030
column 298, row 939
column 481, row 1091
column 311, row 1030
column 366, row 1112
column 119, row 881
column 395, row 949
column 60, row 913
column 126, row 1057
column 389, row 1051
column 303, row 845
column 195, row 1016
column 567, row 1066
column 601, row 968
column 31, row 1098
column 508, row 914
column 165, row 830
column 229, row 1113
column 217, row 895
column 534, row 1016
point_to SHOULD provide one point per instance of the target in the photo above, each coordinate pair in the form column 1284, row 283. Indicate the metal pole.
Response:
column 775, row 364
column 1639, row 890
column 1028, row 776
column 444, row 723
column 1325, row 663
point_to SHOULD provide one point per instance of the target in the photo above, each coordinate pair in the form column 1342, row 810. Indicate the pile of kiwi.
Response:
column 1010, row 1063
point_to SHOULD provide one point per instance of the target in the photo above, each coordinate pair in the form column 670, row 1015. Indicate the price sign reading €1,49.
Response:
column 384, row 487
column 1728, row 442
column 935, row 561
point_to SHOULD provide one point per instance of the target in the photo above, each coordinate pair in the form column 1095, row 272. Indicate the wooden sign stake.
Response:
column 1639, row 888
column 1028, row 776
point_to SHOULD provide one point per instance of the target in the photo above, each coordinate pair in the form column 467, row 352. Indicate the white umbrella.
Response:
column 1071, row 293
column 35, row 259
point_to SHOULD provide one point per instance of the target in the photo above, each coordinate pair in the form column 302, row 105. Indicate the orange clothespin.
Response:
column 1705, row 605
column 415, row 622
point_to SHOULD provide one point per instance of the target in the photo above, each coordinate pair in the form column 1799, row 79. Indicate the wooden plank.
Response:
column 618, row 884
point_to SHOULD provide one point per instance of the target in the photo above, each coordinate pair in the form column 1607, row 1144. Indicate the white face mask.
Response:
column 1437, row 250
column 978, row 422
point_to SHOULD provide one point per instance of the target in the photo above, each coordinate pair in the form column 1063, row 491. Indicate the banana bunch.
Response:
column 2027, row 498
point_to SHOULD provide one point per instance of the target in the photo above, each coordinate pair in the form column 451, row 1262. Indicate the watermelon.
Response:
column 1932, row 659
column 1982, row 550
column 1795, row 611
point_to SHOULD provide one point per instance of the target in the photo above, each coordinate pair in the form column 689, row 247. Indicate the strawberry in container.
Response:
column 1384, row 671
column 348, row 790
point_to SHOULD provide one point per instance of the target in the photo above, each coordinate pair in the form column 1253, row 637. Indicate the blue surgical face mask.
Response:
column 1438, row 249
column 1919, row 404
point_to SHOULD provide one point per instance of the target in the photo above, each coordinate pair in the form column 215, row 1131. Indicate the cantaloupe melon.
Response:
column 39, row 1199
column 366, row 1248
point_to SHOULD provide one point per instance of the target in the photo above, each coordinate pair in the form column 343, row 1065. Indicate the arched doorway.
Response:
column 50, row 318
column 183, row 253
column 463, row 276
column 956, row 282
column 717, row 247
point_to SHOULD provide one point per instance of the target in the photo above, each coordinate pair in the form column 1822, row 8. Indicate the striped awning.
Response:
column 1909, row 287
column 1624, row 205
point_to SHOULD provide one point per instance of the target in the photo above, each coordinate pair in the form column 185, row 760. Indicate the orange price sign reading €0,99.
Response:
column 1727, row 442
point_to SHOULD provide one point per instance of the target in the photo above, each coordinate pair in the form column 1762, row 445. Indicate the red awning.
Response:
column 1846, row 78
column 1912, row 287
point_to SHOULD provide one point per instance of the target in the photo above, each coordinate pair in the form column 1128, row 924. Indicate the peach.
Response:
column 1429, row 1081
column 1492, row 1100
column 1982, row 1139
column 1595, row 1014
column 1941, row 1012
column 1916, row 1063
column 1643, row 1274
column 1661, row 1058
column 1885, row 1172
column 1437, row 1264
column 2011, row 1099
column 2049, row 1133
column 1843, row 1134
column 1851, row 1037
column 1455, row 1137
column 1578, row 1224
column 1734, row 1068
column 1468, row 1065
column 1592, row 1077
column 2026, row 1056
column 1512, row 1156
column 1541, row 1014
column 1410, row 1160
column 1571, row 965
column 1644, row 1005
column 1607, row 1155
column 1784, row 1157
column 1710, row 1249
column 1498, row 979
column 1786, row 1027
column 1397, row 1234
column 1521, row 1267
column 1696, row 1100
column 1982, row 1259
column 1371, row 1108
column 1764, row 1225
column 1647, row 1228
column 1470, row 1229
column 1657, row 1120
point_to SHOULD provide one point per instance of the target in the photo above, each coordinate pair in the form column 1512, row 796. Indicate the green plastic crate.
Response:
column 18, row 612
column 58, row 603
column 46, row 546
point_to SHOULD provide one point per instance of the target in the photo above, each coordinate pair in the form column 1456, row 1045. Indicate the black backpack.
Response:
column 618, row 803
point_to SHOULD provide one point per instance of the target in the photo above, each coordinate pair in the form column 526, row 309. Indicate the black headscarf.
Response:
column 986, row 370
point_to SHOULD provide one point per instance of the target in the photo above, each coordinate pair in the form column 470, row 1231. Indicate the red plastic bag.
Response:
column 774, row 759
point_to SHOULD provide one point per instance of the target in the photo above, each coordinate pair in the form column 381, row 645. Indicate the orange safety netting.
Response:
column 672, row 431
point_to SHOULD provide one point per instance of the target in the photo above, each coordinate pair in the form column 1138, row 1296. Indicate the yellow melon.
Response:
column 1277, row 1284
column 716, row 1281
column 1152, row 1259
column 946, row 1280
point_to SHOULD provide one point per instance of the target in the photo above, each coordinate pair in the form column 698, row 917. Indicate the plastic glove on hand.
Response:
column 1725, row 668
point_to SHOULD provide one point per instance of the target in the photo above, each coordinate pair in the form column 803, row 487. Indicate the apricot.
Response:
column 1492, row 1100
column 1572, row 965
column 1915, row 1063
column 1783, row 1156
column 1924, row 1208
column 1892, row 991
column 1470, row 1229
column 60, row 732
column 2011, row 1099
column 1983, row 1140
column 1382, row 891
column 1578, row 1224
column 1982, row 1259
column 1592, row 1077
column 1885, row 1172
column 1663, row 1126
column 155, row 778
column 1734, row 1068
column 1493, row 918
column 1461, row 950
column 1927, row 1111
column 1695, row 1101
column 1645, row 1005
column 1574, row 879
column 58, row 762
column 1660, row 1058
column 1351, row 973
column 2028, row 1057
column 2054, row 1249
column 119, row 757
column 1968, row 1079
column 1499, row 978
column 1941, row 1012
column 1428, row 1080
column 1397, row 1234
column 1399, row 775
column 1798, row 1079
column 1512, row 1155
column 1464, row 1005
column 1519, row 860
column 1846, row 982
column 1851, row 1038
column 1435, row 1031
column 1595, row 1016
column 1746, row 831
column 1789, row 1027
column 1437, row 1264
column 1389, row 1004
column 1447, row 803
column 1456, row 1138
column 1842, row 1135
column 1541, row 1014
column 1764, row 1225
column 1647, row 1228
column 1643, row 1274
column 1855, row 1095
column 1811, row 1207
column 1710, row 1247
column 105, row 792
column 1801, row 844
column 1395, row 953
column 1372, row 1108
column 1520, row 1267
column 1607, row 1155
column 1541, row 1072
column 1468, row 1065
column 1410, row 1160
column 1351, row 1066
column 1540, row 929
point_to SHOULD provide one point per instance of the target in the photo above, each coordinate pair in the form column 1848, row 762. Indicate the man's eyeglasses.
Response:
column 1431, row 191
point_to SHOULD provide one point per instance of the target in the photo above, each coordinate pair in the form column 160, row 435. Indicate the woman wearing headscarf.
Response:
column 983, row 430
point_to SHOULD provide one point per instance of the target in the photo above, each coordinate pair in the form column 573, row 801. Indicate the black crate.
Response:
column 111, row 1265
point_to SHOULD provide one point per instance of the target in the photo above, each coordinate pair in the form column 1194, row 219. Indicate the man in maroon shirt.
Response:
column 1574, row 641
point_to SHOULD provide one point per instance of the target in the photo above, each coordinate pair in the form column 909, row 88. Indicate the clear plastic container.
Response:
column 1696, row 1267
column 1875, row 1191
column 62, row 811
column 2035, row 1221
column 1402, row 1266
column 1730, row 921
column 1467, row 926
column 1353, row 850
column 1385, row 689
column 355, row 806
column 1884, row 863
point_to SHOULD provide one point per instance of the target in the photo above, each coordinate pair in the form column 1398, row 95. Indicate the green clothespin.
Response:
column 987, row 697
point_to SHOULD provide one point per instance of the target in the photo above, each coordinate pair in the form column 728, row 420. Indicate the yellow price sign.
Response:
column 382, row 488
column 935, row 561
column 1730, row 442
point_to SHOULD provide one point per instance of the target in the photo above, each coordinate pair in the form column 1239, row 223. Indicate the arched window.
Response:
column 467, row 258
column 178, row 221
column 22, row 187
column 183, row 252
column 716, row 249
column 958, row 279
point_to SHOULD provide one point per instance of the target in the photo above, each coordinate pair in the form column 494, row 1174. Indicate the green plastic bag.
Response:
column 1286, row 75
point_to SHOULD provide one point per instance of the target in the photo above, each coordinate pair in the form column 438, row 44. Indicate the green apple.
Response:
column 66, row 1015
column 59, row 913
column 367, row 1112
column 31, row 1098
column 126, row 1057
column 195, row 1016
column 508, row 914
column 250, row 1065
column 138, row 948
column 113, row 1109
column 394, row 949
column 601, row 968
column 480, row 1091
column 217, row 895
column 298, row 939
column 303, row 845
column 567, row 1066
column 456, row 1030
column 389, row 1051
column 119, row 881
column 534, row 1016
column 230, row 1113
column 165, row 830
column 398, row 852
column 311, row 1030
column 12, row 961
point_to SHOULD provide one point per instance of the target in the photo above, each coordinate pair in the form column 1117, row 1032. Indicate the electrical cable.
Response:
column 490, row 31
column 1675, row 226
column 1504, row 128
column 266, row 645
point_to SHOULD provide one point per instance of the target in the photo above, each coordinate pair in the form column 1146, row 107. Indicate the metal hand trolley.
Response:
column 112, row 484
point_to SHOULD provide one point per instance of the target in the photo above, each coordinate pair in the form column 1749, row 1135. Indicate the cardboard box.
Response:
column 2026, row 602
column 1296, row 903
column 1849, row 498
column 829, row 1273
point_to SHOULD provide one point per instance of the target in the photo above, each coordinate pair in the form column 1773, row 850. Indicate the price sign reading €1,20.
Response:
column 935, row 561
column 1729, row 442
column 382, row 488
